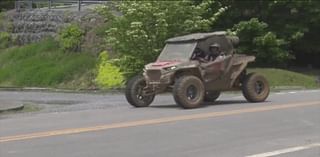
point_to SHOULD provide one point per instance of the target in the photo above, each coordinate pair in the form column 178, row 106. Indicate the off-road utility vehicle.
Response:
column 183, row 67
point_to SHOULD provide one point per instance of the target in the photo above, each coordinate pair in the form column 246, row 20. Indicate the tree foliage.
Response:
column 257, row 40
column 295, row 22
column 71, row 37
column 6, row 5
column 140, row 32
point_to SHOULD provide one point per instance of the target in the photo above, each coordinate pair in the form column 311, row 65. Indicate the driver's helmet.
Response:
column 215, row 45
column 215, row 49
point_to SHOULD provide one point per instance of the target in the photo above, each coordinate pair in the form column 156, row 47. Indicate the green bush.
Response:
column 109, row 75
column 126, row 61
column 139, row 34
column 70, row 38
column 4, row 40
column 6, row 24
column 270, row 50
column 256, row 40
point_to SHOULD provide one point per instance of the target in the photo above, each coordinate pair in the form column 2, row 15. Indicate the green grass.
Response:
column 43, row 64
column 29, row 108
column 279, row 77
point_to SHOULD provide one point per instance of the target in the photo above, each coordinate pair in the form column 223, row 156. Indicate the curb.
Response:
column 10, row 106
column 35, row 89
column 289, row 88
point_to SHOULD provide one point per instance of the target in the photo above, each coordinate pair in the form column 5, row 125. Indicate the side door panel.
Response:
column 215, row 75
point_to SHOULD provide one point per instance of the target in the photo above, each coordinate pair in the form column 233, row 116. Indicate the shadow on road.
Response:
column 225, row 102
column 165, row 106
column 206, row 104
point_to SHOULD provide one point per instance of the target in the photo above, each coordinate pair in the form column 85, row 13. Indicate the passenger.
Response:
column 215, row 52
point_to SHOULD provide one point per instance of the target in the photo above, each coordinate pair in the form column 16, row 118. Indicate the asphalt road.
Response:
column 85, row 125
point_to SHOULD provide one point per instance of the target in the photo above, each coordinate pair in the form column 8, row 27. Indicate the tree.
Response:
column 139, row 34
column 6, row 5
column 296, row 22
column 258, row 41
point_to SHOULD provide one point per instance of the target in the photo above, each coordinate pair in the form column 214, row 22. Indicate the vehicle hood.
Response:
column 167, row 64
column 162, row 64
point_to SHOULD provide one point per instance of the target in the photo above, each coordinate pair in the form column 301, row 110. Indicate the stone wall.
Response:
column 33, row 25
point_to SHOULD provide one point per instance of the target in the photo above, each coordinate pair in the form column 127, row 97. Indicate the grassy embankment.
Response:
column 287, row 79
column 43, row 64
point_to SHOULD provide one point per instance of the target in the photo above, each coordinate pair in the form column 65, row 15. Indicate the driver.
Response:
column 215, row 52
column 198, row 54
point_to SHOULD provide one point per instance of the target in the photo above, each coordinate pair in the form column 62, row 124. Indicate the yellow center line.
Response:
column 153, row 121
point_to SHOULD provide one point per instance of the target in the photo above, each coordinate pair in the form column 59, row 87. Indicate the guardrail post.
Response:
column 30, row 4
column 17, row 5
column 79, row 5
column 49, row 4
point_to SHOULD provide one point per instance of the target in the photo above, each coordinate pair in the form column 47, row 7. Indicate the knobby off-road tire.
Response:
column 188, row 92
column 211, row 96
column 134, row 92
column 255, row 88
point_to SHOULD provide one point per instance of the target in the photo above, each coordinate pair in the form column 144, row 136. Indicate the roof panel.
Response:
column 195, row 36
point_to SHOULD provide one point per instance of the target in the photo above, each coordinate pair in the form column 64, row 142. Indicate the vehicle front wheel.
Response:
column 134, row 92
column 255, row 88
column 188, row 92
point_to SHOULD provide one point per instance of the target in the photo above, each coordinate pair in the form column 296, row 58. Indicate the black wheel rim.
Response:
column 139, row 91
column 191, row 92
column 259, row 87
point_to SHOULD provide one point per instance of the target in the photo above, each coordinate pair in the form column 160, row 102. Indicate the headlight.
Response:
column 170, row 68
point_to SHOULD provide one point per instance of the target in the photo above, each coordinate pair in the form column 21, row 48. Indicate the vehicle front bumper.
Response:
column 158, row 80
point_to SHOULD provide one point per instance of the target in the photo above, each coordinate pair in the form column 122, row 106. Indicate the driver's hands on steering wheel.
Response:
column 201, row 59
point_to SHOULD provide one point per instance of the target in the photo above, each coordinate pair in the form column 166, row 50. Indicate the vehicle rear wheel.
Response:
column 255, row 88
column 211, row 96
column 134, row 92
column 188, row 92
